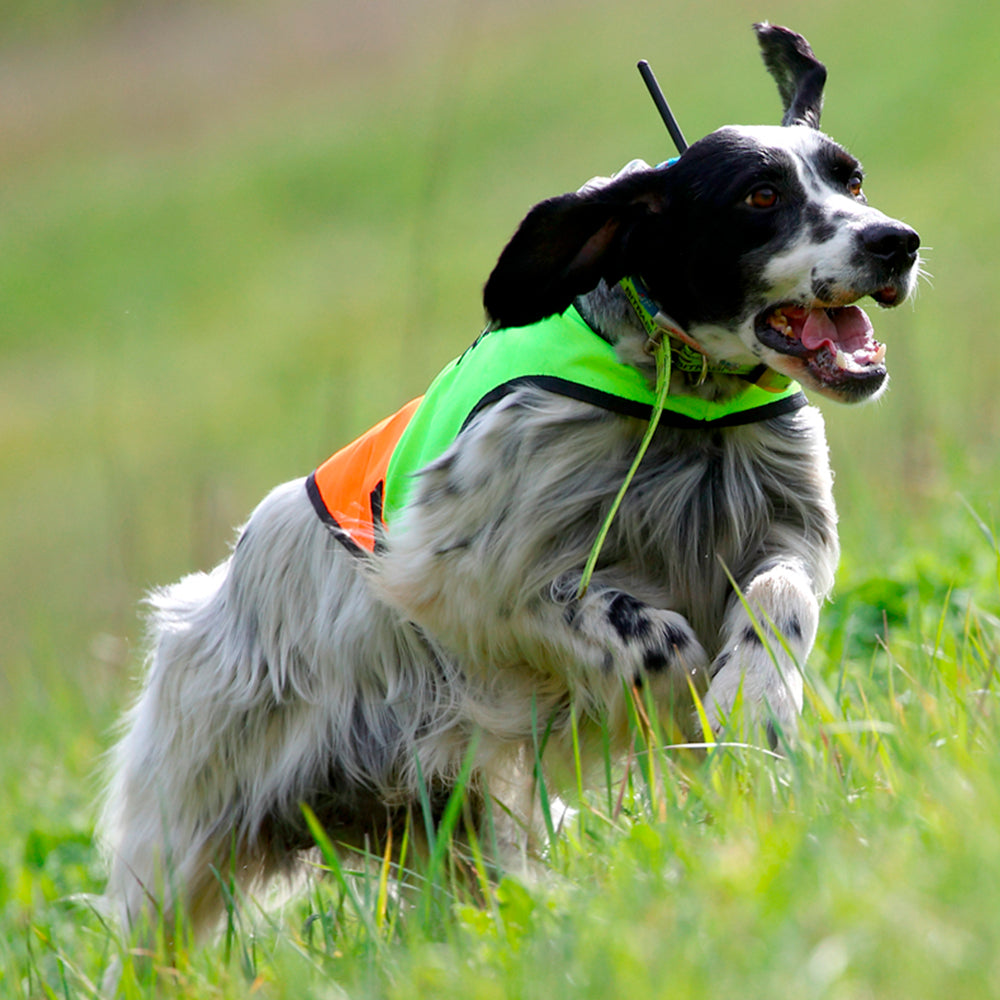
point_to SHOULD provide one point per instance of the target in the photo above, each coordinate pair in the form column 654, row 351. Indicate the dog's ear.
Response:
column 566, row 245
column 799, row 74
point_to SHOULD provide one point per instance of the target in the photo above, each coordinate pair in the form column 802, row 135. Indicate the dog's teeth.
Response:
column 842, row 360
column 879, row 355
column 778, row 322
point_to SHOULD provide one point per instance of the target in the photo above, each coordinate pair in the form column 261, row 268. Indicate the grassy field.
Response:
column 231, row 237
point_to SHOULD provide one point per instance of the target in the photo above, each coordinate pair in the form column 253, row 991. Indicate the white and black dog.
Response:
column 358, row 676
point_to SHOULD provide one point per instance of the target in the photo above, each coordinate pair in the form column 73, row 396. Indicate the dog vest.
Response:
column 359, row 490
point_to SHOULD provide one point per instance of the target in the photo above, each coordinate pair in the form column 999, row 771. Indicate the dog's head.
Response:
column 757, row 242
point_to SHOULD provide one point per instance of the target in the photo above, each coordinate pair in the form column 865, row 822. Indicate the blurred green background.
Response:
column 233, row 235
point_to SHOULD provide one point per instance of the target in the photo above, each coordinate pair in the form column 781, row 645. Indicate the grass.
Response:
column 200, row 305
column 862, row 864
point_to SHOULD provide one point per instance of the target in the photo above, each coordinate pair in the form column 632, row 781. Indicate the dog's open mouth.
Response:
column 836, row 344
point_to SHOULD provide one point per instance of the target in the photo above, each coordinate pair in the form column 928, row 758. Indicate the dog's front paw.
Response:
column 768, row 697
column 654, row 646
column 756, row 680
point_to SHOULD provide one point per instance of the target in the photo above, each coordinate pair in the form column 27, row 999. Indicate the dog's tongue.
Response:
column 847, row 328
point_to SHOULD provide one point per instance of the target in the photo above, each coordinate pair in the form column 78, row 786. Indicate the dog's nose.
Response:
column 892, row 242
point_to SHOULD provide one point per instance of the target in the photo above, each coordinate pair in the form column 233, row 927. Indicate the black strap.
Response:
column 633, row 408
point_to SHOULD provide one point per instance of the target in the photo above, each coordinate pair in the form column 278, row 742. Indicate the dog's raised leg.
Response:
column 768, row 633
column 633, row 638
column 624, row 642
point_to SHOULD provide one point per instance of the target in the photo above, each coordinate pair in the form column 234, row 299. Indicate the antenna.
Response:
column 661, row 105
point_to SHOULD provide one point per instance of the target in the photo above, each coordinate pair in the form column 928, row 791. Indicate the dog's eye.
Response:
column 854, row 186
column 764, row 196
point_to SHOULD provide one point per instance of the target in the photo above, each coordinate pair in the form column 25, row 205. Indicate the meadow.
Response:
column 234, row 236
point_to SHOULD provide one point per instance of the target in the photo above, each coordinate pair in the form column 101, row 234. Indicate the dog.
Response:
column 417, row 605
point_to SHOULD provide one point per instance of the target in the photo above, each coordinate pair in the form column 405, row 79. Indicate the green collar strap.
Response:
column 562, row 355
column 686, row 353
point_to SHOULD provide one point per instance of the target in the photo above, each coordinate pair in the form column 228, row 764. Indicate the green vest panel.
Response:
column 563, row 355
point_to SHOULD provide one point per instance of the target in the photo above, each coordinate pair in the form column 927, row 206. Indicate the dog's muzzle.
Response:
column 831, row 337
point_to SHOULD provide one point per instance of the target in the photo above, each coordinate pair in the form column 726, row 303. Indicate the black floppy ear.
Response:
column 799, row 74
column 566, row 245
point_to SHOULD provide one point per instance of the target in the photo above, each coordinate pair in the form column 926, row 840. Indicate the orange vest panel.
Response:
column 346, row 489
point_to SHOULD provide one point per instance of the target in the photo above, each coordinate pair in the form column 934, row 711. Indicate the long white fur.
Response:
column 259, row 668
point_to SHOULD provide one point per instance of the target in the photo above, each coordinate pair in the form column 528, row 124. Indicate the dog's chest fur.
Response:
column 711, row 510
column 704, row 505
